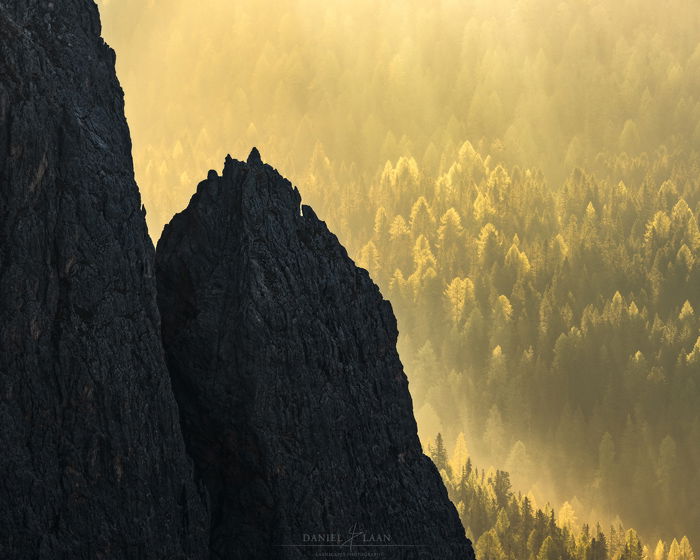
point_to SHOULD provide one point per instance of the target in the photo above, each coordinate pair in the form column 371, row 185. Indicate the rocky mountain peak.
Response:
column 294, row 403
column 282, row 354
column 254, row 157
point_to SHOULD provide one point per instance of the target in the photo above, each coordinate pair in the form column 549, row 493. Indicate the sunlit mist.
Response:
column 521, row 179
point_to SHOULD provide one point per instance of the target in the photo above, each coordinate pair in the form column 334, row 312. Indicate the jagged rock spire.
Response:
column 254, row 157
column 294, row 404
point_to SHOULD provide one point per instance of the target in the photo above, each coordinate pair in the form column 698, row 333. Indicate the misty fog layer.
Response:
column 521, row 180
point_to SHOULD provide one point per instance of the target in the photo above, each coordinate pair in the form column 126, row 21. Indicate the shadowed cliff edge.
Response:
column 292, row 398
column 92, row 460
column 294, row 403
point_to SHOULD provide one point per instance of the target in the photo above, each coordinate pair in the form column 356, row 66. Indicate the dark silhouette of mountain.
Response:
column 92, row 460
column 294, row 403
column 293, row 400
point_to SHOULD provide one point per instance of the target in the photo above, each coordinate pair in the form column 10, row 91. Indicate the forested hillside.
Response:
column 521, row 180
column 555, row 325
column 506, row 525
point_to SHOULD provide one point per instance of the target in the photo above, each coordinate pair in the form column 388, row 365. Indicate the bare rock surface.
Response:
column 294, row 403
column 92, row 460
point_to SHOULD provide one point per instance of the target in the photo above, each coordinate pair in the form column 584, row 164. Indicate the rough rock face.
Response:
column 294, row 403
column 92, row 460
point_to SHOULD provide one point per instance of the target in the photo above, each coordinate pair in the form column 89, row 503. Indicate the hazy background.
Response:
column 520, row 178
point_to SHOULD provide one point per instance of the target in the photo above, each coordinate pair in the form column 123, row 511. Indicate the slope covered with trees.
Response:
column 510, row 526
column 545, row 83
column 519, row 177
column 554, row 322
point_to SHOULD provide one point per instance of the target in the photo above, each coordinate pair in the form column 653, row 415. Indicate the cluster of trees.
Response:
column 544, row 274
column 505, row 525
column 552, row 321
column 543, row 82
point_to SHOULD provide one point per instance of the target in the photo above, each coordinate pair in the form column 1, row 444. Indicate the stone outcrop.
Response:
column 294, row 403
column 92, row 460
column 292, row 399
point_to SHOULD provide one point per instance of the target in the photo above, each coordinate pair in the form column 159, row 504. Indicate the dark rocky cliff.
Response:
column 294, row 404
column 92, row 461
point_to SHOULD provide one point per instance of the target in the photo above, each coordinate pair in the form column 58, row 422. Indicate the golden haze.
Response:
column 521, row 179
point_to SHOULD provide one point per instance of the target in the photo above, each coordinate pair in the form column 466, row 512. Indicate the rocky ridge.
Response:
column 290, row 393
column 294, row 403
column 93, row 463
